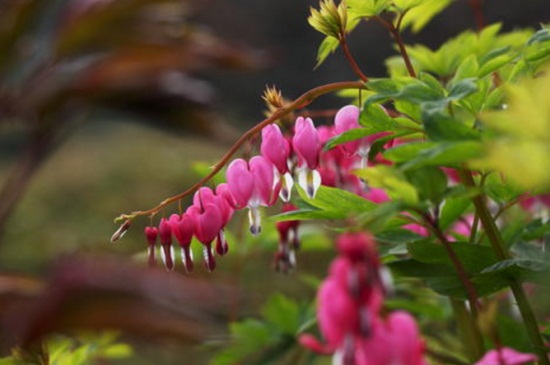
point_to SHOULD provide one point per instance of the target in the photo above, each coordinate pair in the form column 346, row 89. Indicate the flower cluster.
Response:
column 349, row 312
column 205, row 219
column 250, row 184
column 260, row 180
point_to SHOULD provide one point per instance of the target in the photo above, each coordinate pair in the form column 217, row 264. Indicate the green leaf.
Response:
column 500, row 190
column 327, row 46
column 329, row 203
column 347, row 136
column 523, row 269
column 493, row 65
column 376, row 120
column 430, row 182
column 418, row 17
column 397, row 236
column 467, row 69
column 441, row 127
column 417, row 154
column 391, row 180
column 282, row 313
column 367, row 8
column 474, row 258
column 462, row 89
column 431, row 263
column 249, row 336
column 383, row 217
column 453, row 209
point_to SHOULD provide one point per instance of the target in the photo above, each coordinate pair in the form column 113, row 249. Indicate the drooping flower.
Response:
column 506, row 356
column 285, row 258
column 251, row 185
column 167, row 250
column 276, row 149
column 151, row 233
column 184, row 229
column 349, row 312
column 209, row 221
column 307, row 146
column 346, row 119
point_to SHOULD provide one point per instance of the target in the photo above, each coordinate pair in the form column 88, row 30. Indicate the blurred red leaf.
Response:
column 105, row 293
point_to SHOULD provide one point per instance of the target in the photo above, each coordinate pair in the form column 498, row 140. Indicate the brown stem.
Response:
column 478, row 13
column 471, row 291
column 351, row 59
column 396, row 34
column 299, row 103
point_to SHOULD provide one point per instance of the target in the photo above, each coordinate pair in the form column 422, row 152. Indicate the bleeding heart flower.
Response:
column 151, row 233
column 251, row 185
column 167, row 251
column 307, row 146
column 506, row 356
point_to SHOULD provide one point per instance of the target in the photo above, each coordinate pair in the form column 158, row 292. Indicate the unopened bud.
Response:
column 121, row 231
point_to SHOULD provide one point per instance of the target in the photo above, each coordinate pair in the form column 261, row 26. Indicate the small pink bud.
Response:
column 275, row 148
column 347, row 119
column 151, row 233
column 306, row 143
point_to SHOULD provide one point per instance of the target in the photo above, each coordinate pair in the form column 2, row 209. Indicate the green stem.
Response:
column 468, row 331
column 497, row 243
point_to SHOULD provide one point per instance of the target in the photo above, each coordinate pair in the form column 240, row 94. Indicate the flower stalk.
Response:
column 299, row 103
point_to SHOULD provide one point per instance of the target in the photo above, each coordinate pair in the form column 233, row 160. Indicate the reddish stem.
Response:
column 471, row 291
column 351, row 59
column 299, row 103
column 478, row 13
column 396, row 34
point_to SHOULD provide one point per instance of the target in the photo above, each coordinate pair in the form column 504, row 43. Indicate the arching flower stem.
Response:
column 302, row 101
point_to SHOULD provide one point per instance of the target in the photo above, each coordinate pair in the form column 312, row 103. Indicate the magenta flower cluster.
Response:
column 250, row 184
column 349, row 312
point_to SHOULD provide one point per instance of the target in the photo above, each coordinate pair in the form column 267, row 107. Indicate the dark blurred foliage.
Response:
column 282, row 28
column 101, row 293
column 60, row 59
column 60, row 62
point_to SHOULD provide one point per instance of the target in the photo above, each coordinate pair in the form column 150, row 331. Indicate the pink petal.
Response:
column 262, row 172
column 240, row 182
column 347, row 119
column 184, row 230
column 506, row 356
column 275, row 147
column 306, row 143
